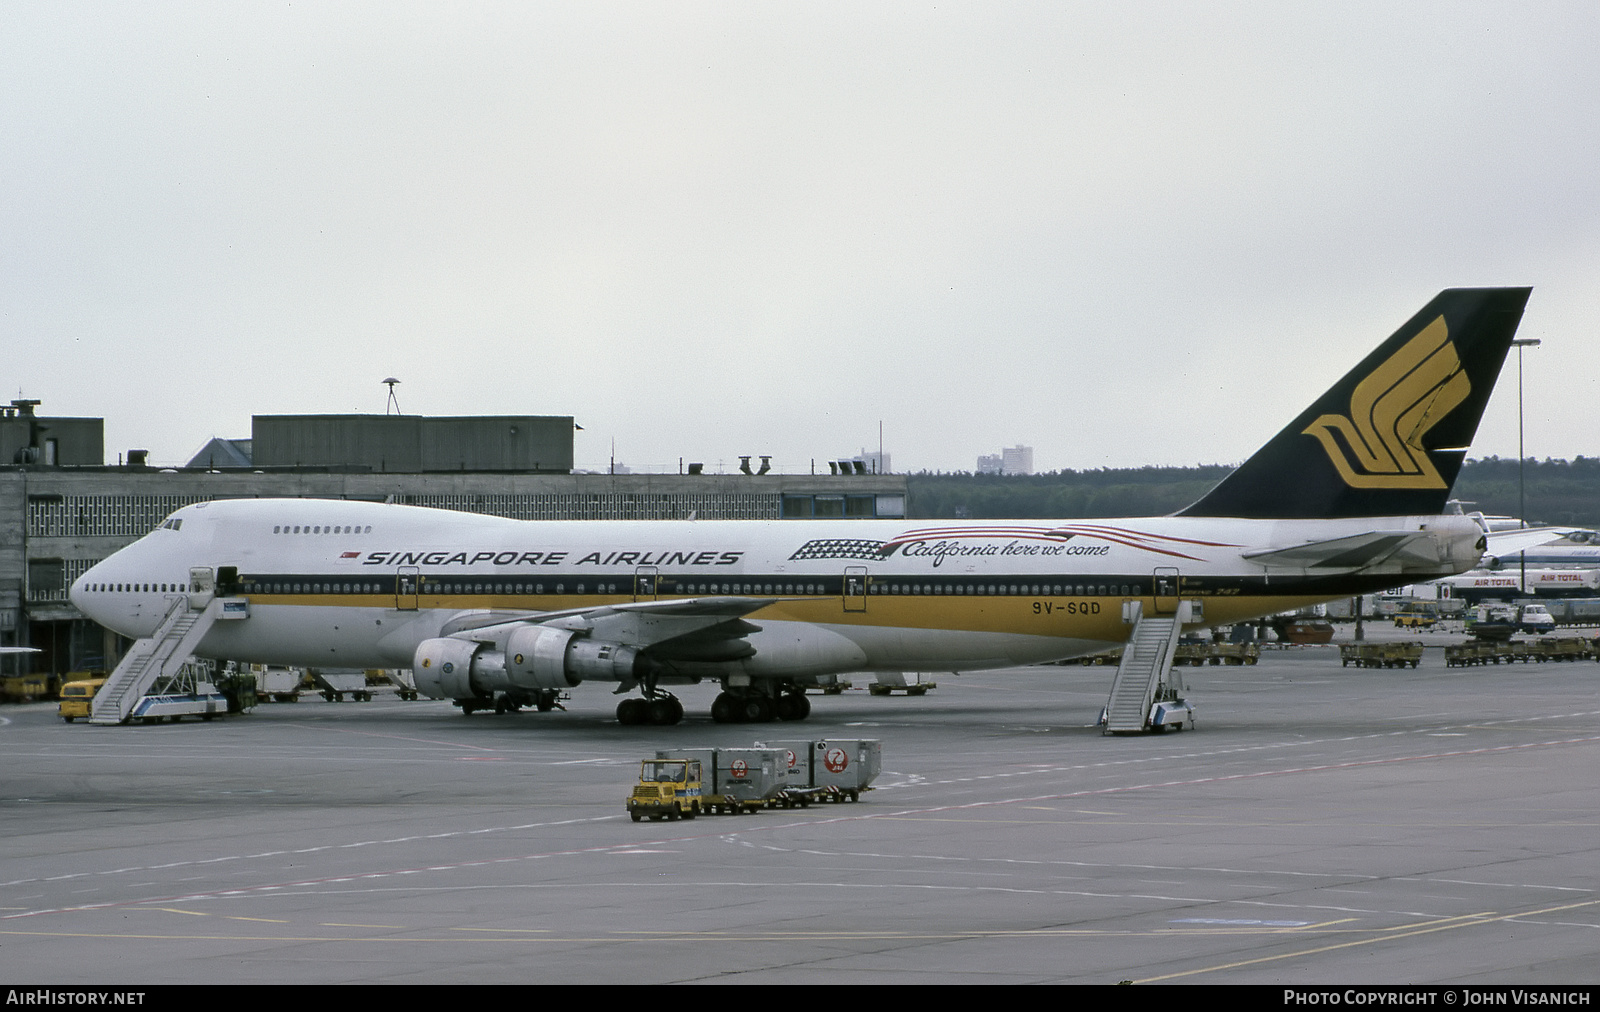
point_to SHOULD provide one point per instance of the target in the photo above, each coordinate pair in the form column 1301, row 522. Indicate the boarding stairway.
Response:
column 151, row 660
column 1145, row 675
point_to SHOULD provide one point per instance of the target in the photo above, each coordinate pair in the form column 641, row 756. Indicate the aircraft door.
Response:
column 1164, row 588
column 646, row 583
column 202, row 587
column 855, row 588
column 407, row 584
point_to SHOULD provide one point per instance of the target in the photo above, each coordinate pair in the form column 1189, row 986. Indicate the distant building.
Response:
column 412, row 444
column 876, row 461
column 1011, row 460
column 28, row 438
column 1017, row 460
column 222, row 453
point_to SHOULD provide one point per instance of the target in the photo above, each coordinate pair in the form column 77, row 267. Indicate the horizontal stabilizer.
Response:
column 1503, row 543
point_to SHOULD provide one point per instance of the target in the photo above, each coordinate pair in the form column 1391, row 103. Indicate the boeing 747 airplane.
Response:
column 1348, row 499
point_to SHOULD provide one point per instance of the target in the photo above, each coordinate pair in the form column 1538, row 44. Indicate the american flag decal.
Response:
column 839, row 548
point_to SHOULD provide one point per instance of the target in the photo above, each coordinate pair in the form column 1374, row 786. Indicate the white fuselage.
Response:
column 356, row 584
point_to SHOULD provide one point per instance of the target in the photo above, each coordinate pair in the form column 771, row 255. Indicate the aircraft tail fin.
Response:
column 1389, row 438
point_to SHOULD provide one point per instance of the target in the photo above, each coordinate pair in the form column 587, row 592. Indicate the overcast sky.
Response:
column 1119, row 233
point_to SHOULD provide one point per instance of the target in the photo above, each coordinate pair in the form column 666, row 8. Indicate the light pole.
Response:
column 1522, row 491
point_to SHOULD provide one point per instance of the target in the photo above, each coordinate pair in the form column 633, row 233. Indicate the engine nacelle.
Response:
column 451, row 669
column 545, row 657
column 535, row 657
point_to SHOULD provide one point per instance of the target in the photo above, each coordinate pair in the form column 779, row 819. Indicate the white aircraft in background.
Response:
column 1348, row 499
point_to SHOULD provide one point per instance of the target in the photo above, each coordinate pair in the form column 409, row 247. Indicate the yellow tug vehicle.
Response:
column 668, row 789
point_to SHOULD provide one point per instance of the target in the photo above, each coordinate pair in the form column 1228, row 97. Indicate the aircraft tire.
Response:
column 633, row 711
column 792, row 706
column 722, row 709
column 665, row 711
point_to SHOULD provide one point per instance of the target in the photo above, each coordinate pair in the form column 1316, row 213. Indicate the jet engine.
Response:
column 532, row 657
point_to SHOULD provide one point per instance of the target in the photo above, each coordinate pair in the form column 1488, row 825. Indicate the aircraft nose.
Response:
column 78, row 593
column 88, row 602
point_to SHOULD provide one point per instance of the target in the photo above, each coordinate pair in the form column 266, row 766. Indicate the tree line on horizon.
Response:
column 1558, row 491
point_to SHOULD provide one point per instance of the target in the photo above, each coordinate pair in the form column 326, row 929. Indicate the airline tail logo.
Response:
column 1380, row 444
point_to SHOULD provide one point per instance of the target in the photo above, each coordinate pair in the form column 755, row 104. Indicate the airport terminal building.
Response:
column 62, row 509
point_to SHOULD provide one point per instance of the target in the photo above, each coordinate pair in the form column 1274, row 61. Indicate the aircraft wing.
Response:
column 696, row 628
column 1357, row 551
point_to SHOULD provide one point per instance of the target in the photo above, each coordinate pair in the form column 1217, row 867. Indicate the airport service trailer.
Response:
column 831, row 769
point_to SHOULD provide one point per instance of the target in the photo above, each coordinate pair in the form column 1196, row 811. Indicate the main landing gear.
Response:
column 663, row 708
column 544, row 700
column 759, row 708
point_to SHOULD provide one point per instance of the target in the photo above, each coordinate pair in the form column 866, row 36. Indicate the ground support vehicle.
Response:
column 1415, row 618
column 404, row 682
column 1535, row 619
column 204, row 702
column 1495, row 621
column 77, row 697
column 1562, row 648
column 1516, row 650
column 736, row 781
column 1235, row 654
column 909, row 682
column 1304, row 632
column 1547, row 648
column 830, row 685
column 277, row 684
column 1380, row 655
column 1192, row 653
column 238, row 685
column 1113, row 656
column 190, row 693
column 668, row 789
column 833, row 769
column 335, row 685
column 1490, row 630
column 1466, row 655
column 24, row 688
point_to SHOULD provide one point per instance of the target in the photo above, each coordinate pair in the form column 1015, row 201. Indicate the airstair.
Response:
column 1147, row 693
column 160, row 658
